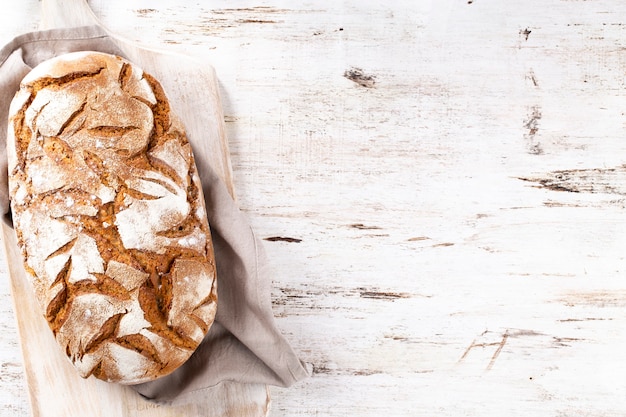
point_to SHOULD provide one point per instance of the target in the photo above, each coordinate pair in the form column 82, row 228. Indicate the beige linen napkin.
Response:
column 244, row 344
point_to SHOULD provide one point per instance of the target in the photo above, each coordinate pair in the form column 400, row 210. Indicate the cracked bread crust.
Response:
column 110, row 217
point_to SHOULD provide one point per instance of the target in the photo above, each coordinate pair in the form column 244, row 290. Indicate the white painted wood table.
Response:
column 442, row 190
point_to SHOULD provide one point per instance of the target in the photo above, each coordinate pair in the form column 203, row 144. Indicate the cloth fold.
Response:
column 244, row 344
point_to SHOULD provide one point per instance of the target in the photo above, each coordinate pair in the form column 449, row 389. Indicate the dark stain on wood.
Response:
column 365, row 372
column 550, row 184
column 145, row 12
column 525, row 33
column 397, row 338
column 594, row 181
column 283, row 239
column 383, row 295
column 327, row 369
column 358, row 76
column 584, row 319
column 564, row 341
column 361, row 226
column 321, row 369
column 532, row 124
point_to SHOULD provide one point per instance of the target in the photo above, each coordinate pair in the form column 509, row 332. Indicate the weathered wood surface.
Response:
column 442, row 190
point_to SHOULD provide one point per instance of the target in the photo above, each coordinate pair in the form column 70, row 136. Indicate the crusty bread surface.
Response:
column 110, row 217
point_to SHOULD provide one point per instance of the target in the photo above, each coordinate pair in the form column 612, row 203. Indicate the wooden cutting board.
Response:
column 55, row 389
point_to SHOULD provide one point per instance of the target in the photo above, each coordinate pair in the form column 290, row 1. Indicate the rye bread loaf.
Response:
column 110, row 217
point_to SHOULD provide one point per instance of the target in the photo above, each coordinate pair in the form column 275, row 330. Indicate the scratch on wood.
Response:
column 496, row 354
column 505, row 337
column 283, row 239
column 472, row 346
column 532, row 77
column 361, row 78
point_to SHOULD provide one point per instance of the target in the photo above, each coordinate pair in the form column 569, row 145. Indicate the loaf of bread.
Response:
column 110, row 217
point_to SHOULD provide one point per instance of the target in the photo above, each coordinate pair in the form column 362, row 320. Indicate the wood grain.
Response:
column 441, row 190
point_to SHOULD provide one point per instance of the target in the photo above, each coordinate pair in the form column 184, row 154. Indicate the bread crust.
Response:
column 110, row 217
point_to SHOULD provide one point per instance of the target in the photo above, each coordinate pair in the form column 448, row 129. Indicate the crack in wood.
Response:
column 256, row 21
column 361, row 226
column 312, row 298
column 283, row 239
column 255, row 9
column 328, row 369
column 383, row 295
